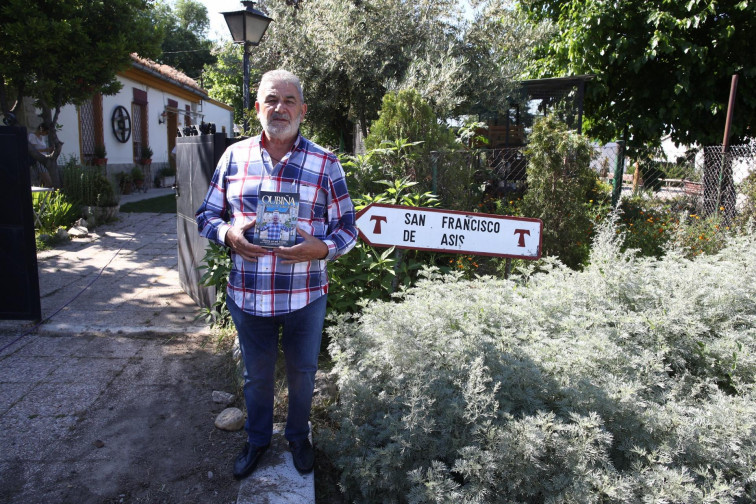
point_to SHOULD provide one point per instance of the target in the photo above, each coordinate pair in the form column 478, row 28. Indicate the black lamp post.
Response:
column 247, row 27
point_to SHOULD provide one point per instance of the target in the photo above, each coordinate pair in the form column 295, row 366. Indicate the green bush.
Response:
column 631, row 381
column 406, row 119
column 88, row 185
column 406, row 115
column 561, row 188
column 367, row 273
column 54, row 210
column 216, row 265
column 747, row 212
column 647, row 225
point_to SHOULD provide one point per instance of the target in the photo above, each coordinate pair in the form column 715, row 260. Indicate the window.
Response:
column 90, row 128
column 139, row 123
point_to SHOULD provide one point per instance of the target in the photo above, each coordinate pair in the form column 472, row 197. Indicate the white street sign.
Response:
column 450, row 231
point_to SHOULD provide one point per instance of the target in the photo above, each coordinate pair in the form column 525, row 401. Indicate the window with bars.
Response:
column 139, row 123
column 90, row 128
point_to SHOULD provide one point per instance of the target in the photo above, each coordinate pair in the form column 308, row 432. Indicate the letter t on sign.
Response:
column 378, row 219
column 522, row 233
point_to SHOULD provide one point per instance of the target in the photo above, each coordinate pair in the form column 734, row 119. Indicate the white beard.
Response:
column 280, row 131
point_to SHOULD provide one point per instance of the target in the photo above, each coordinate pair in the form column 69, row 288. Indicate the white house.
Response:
column 155, row 103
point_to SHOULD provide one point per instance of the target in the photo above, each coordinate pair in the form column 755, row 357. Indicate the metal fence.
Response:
column 712, row 180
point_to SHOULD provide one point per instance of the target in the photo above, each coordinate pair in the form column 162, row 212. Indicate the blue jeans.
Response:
column 258, row 341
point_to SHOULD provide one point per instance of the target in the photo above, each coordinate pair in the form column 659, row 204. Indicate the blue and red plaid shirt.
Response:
column 274, row 230
column 268, row 287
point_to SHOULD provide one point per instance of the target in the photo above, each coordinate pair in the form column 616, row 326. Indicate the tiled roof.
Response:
column 168, row 73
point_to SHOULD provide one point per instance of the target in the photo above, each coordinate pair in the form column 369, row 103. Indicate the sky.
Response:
column 218, row 27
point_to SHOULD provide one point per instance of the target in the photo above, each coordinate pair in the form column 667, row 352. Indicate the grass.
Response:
column 161, row 204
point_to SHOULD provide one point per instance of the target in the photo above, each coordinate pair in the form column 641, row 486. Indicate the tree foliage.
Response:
column 405, row 115
column 662, row 67
column 560, row 181
column 349, row 54
column 65, row 51
column 185, row 46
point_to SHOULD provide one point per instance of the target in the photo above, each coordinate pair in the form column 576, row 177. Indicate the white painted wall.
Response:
column 122, row 153
column 220, row 116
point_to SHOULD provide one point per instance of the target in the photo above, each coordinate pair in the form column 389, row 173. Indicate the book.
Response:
column 277, row 214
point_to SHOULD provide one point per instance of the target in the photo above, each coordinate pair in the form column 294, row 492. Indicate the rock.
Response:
column 81, row 222
column 230, row 419
column 223, row 398
column 99, row 444
column 61, row 234
column 78, row 232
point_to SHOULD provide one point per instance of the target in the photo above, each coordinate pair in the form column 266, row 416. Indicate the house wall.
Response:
column 221, row 115
column 120, row 155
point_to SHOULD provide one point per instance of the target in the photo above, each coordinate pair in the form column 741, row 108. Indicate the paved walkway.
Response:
column 117, row 355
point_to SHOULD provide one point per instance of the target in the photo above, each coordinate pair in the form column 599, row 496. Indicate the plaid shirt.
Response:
column 268, row 287
column 274, row 230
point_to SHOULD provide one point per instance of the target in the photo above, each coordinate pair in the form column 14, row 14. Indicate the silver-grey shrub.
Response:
column 631, row 381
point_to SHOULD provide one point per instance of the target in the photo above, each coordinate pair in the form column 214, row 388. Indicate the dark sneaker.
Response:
column 247, row 460
column 303, row 455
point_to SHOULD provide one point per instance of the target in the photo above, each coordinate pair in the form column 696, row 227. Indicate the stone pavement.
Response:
column 117, row 332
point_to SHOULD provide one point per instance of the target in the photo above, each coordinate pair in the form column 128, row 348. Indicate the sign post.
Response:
column 450, row 231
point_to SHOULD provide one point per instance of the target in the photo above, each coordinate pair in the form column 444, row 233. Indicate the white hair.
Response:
column 280, row 75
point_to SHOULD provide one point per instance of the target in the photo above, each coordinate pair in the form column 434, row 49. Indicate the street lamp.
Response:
column 247, row 27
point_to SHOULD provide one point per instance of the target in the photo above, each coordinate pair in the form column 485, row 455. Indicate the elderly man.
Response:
column 284, row 287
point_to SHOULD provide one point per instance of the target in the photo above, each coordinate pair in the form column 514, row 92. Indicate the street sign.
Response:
column 439, row 230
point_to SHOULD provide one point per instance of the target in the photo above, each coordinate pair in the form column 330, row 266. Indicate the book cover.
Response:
column 277, row 214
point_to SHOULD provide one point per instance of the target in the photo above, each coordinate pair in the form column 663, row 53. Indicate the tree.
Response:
column 560, row 184
column 662, row 67
column 350, row 53
column 223, row 80
column 185, row 46
column 407, row 116
column 192, row 16
column 66, row 51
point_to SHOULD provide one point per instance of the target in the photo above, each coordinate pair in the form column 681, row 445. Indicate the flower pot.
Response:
column 99, row 161
column 100, row 215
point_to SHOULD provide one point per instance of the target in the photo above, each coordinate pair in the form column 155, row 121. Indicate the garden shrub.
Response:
column 630, row 381
column 54, row 210
column 408, row 119
column 88, row 185
column 367, row 273
column 561, row 185
column 747, row 208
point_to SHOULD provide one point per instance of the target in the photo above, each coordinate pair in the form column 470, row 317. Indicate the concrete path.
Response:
column 117, row 362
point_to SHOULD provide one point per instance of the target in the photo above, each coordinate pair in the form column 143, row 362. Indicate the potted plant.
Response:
column 137, row 175
column 106, row 202
column 100, row 155
column 125, row 182
column 145, row 157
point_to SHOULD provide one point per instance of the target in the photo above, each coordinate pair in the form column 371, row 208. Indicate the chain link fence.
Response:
column 712, row 180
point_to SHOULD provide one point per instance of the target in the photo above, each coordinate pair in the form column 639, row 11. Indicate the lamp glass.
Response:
column 247, row 26
column 256, row 27
column 235, row 22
